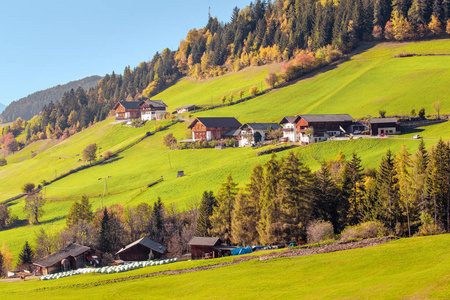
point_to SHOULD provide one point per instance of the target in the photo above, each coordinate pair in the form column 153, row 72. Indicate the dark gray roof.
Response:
column 204, row 241
column 262, row 126
column 130, row 104
column 71, row 250
column 288, row 119
column 186, row 106
column 155, row 103
column 382, row 120
column 224, row 247
column 234, row 132
column 147, row 243
column 327, row 118
column 218, row 122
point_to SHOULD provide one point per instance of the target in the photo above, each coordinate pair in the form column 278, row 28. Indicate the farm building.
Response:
column 140, row 250
column 318, row 128
column 152, row 110
column 289, row 124
column 384, row 126
column 185, row 108
column 208, row 247
column 212, row 128
column 72, row 257
column 127, row 110
column 252, row 133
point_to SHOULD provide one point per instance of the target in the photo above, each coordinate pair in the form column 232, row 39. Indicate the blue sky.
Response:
column 46, row 43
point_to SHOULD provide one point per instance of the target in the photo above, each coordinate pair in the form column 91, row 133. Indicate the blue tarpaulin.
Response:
column 241, row 250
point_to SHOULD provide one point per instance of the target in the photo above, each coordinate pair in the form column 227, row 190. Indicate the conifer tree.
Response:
column 352, row 188
column 80, row 211
column 241, row 222
column 157, row 230
column 420, row 175
column 26, row 255
column 293, row 199
column 104, row 243
column 388, row 191
column 326, row 198
column 2, row 267
column 221, row 217
column 402, row 164
column 205, row 211
column 268, row 209
column 253, row 197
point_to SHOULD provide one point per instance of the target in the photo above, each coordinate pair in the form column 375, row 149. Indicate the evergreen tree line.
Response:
column 408, row 194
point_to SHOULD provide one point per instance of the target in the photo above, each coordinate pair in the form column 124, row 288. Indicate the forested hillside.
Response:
column 31, row 105
column 305, row 34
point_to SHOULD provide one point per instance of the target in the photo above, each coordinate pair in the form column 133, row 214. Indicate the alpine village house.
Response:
column 147, row 110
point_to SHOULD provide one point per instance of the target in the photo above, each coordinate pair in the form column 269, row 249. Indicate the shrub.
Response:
column 254, row 90
column 28, row 187
column 108, row 154
column 319, row 231
column 428, row 227
column 213, row 143
column 231, row 142
column 3, row 161
column 365, row 230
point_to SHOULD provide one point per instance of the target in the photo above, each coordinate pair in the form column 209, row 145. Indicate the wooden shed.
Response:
column 380, row 126
column 208, row 247
column 72, row 257
column 140, row 250
column 185, row 108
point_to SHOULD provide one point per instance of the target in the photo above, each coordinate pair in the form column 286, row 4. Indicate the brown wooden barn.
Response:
column 72, row 257
column 140, row 250
column 208, row 247
column 212, row 128
column 127, row 110
column 384, row 126
column 185, row 108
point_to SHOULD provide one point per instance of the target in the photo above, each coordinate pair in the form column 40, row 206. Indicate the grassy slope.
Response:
column 201, row 92
column 368, row 82
column 205, row 169
column 414, row 268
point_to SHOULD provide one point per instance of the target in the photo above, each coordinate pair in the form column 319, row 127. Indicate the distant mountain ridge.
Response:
column 31, row 105
column 2, row 107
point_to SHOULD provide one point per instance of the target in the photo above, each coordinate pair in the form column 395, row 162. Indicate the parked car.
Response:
column 416, row 137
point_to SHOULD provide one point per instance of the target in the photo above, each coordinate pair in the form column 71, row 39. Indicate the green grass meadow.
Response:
column 409, row 268
column 361, row 86
column 355, row 87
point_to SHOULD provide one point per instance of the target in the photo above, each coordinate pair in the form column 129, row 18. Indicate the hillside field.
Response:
column 409, row 268
column 369, row 81
column 205, row 169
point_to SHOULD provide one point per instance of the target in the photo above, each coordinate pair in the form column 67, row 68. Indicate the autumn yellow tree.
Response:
column 435, row 26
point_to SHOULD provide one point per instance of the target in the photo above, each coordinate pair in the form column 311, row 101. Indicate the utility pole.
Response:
column 168, row 155
column 105, row 189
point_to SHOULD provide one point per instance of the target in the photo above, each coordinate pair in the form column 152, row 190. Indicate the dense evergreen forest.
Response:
column 306, row 34
column 31, row 105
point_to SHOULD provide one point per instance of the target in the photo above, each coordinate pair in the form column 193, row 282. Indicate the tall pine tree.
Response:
column 205, row 211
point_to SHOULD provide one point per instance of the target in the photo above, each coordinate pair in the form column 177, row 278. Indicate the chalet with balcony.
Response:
column 290, row 133
column 213, row 128
column 152, row 109
column 318, row 128
column 127, row 110
column 252, row 133
column 380, row 126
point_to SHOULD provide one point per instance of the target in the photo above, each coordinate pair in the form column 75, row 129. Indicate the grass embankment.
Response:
column 414, row 268
column 202, row 92
column 361, row 86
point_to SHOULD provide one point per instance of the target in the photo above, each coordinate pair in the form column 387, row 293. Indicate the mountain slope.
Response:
column 2, row 107
column 31, row 105
column 369, row 81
